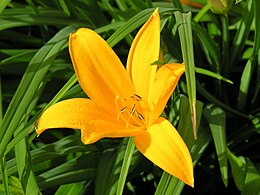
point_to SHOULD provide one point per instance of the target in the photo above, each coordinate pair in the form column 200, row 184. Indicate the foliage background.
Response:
column 36, row 71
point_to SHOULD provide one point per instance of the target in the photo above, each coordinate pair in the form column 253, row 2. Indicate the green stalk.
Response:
column 201, row 13
column 225, row 43
column 214, row 100
column 125, row 167
column 224, row 68
column 177, row 4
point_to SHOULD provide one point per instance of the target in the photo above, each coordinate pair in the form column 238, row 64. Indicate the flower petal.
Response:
column 162, row 144
column 144, row 51
column 72, row 113
column 165, row 81
column 81, row 113
column 98, row 129
column 100, row 72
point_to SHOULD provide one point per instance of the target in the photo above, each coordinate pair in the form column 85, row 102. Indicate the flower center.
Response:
column 131, row 111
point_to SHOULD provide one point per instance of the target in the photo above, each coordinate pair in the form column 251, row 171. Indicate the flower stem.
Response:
column 125, row 166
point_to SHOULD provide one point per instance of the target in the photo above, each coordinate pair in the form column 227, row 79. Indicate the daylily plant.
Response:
column 124, row 102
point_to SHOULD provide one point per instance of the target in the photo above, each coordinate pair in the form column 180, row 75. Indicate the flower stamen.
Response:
column 123, row 110
column 140, row 116
column 132, row 110
column 128, row 111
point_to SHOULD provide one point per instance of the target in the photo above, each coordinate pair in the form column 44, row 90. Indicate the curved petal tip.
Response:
column 162, row 144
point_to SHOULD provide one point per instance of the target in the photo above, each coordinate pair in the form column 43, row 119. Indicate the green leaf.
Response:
column 4, row 176
column 207, row 45
column 244, row 85
column 183, row 21
column 216, row 101
column 129, row 26
column 242, row 32
column 71, row 189
column 25, row 169
column 3, row 4
column 135, row 22
column 15, row 187
column 257, row 50
column 18, row 17
column 238, row 1
column 17, row 56
column 125, row 166
column 212, row 74
column 252, row 180
column 216, row 118
column 29, row 84
column 82, row 168
column 246, row 176
column 104, row 172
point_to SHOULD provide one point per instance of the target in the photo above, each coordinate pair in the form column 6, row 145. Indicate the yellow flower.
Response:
column 124, row 102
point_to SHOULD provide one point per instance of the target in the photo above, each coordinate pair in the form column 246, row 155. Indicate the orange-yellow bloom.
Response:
column 124, row 102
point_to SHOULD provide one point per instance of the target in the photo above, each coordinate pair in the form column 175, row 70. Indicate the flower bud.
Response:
column 220, row 6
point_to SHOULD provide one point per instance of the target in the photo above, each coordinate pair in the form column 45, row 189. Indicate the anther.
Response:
column 123, row 110
column 140, row 116
column 132, row 110
column 128, row 112
column 136, row 97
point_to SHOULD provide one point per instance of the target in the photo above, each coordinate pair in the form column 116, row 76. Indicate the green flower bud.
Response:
column 220, row 6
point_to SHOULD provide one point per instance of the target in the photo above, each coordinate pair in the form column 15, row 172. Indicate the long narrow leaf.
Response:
column 244, row 84
column 30, row 82
column 246, row 176
column 185, row 32
column 125, row 167
column 242, row 32
column 257, row 50
column 3, row 4
column 3, row 169
column 25, row 169
column 71, row 189
column 212, row 74
column 216, row 118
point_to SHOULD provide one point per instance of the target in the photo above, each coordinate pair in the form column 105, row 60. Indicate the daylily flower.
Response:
column 124, row 102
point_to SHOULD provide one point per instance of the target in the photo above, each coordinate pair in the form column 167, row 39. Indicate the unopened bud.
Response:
column 220, row 6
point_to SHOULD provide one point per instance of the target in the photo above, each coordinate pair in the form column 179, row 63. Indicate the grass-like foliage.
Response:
column 216, row 102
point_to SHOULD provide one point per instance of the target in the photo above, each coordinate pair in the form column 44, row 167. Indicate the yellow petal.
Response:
column 162, row 144
column 73, row 113
column 144, row 51
column 100, row 72
column 97, row 129
column 165, row 81
column 81, row 113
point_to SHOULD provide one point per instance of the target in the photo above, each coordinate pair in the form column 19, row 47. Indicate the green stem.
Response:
column 224, row 68
column 225, row 43
column 214, row 100
column 177, row 4
column 125, row 167
column 201, row 13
